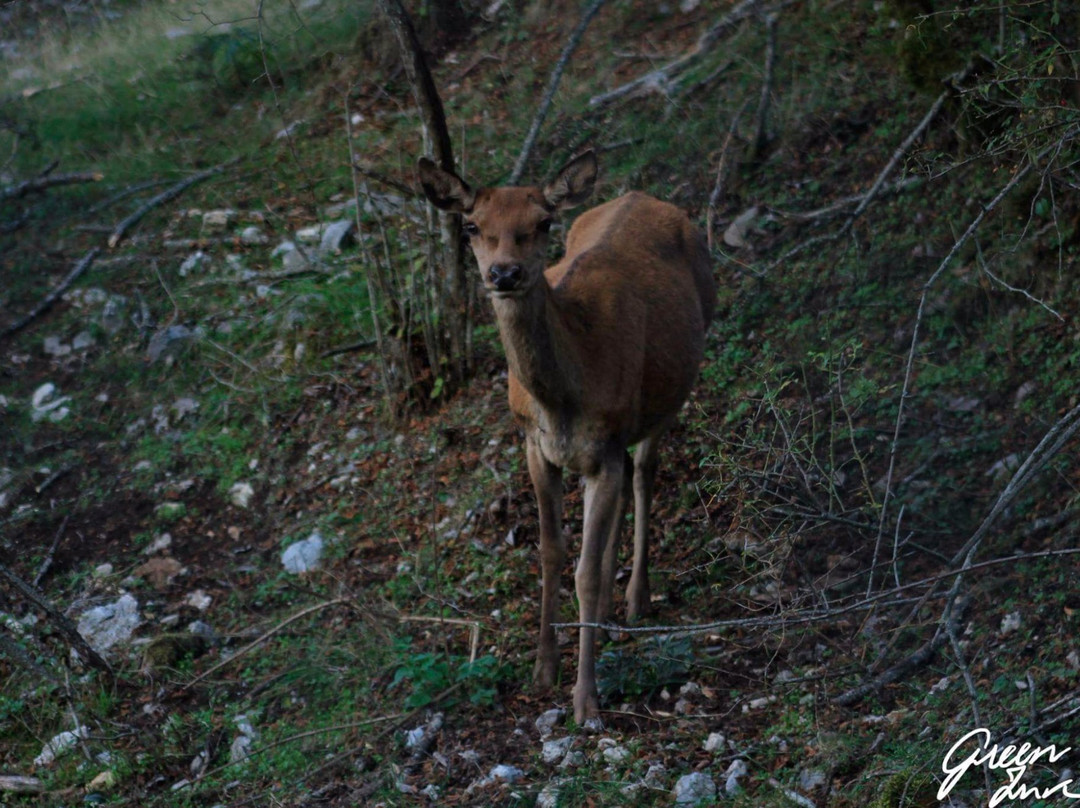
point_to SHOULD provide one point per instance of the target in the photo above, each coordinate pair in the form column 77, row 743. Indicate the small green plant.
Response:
column 430, row 674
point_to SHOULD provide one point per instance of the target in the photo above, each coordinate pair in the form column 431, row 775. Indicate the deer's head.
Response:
column 508, row 227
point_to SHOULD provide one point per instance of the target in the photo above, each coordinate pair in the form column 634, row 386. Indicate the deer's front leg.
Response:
column 603, row 491
column 547, row 483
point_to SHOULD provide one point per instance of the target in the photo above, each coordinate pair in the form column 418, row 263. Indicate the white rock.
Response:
column 103, row 570
column 548, row 720
column 616, row 754
column 809, row 779
column 54, row 347
column 739, row 229
column 548, row 796
column 692, row 788
column 193, row 263
column 184, row 406
column 303, row 556
column 715, row 742
column 253, row 236
column 1011, row 622
column 735, row 771
column 110, row 624
column 310, row 235
column 240, row 494
column 690, row 690
column 59, row 744
column 198, row 600
column 574, row 759
column 510, row 774
column 1072, row 659
column 240, row 750
column 82, row 341
column 654, row 777
column 45, row 403
column 555, row 750
column 413, row 737
column 217, row 221
column 336, row 235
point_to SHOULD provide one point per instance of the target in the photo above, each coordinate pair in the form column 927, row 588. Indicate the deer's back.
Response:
column 636, row 278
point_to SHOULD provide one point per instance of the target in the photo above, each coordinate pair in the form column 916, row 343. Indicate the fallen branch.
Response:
column 79, row 268
column 167, row 195
column 553, row 85
column 880, row 600
column 50, row 555
column 60, row 622
column 660, row 80
column 362, row 345
column 42, row 182
column 901, row 669
column 721, row 180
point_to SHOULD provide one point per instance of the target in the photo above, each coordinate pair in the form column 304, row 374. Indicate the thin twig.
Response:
column 553, row 85
column 265, row 636
column 42, row 182
column 167, row 195
column 879, row 600
column 47, row 562
column 721, row 179
column 79, row 268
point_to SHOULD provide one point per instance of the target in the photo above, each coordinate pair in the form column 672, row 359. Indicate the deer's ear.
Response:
column 445, row 189
column 574, row 183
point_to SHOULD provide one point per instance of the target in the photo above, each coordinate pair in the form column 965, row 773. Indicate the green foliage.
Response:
column 430, row 674
column 640, row 670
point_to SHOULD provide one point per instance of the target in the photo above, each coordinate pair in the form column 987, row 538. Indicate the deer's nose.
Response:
column 505, row 277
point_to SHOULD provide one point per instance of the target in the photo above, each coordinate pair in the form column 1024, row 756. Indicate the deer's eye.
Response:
column 471, row 229
column 544, row 226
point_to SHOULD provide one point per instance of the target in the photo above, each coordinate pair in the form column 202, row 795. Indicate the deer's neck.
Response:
column 539, row 346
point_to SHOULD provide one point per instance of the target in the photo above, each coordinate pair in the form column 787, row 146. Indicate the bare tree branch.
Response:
column 42, row 182
column 79, row 268
column 167, row 195
column 553, row 85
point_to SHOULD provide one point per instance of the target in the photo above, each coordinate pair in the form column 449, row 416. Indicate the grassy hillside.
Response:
column 866, row 521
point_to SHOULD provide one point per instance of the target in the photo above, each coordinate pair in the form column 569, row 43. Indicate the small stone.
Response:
column 103, row 782
column 574, row 759
column 54, row 347
column 336, row 236
column 738, row 769
column 160, row 571
column 82, row 341
column 555, row 750
column 303, row 556
column 184, row 406
column 215, row 222
column 198, row 600
column 253, row 236
column 654, row 776
column 616, row 755
column 693, row 788
column 110, row 624
column 193, row 263
column 548, row 796
column 690, row 690
column 809, row 779
column 1011, row 622
column 736, row 233
column 240, row 750
column 241, row 493
column 548, row 720
column 510, row 774
column 715, row 742
column 59, row 744
column 1072, row 659
column 310, row 235
column 169, row 343
column 103, row 570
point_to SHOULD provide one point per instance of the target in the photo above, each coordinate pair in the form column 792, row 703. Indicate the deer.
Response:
column 603, row 349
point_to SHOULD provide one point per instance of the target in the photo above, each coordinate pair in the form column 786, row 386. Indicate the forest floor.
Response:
column 807, row 531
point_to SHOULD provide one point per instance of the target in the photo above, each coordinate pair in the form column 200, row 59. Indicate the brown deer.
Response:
column 603, row 349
